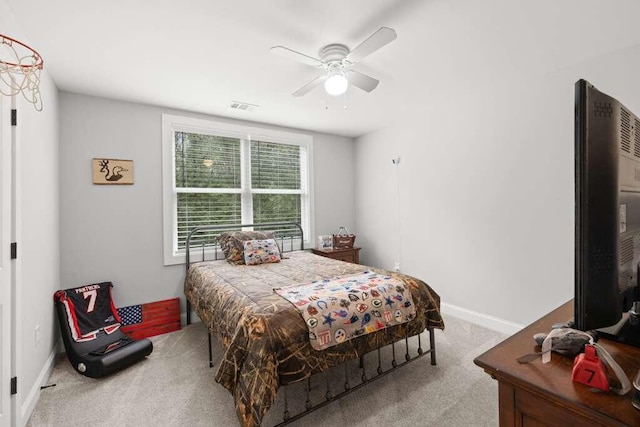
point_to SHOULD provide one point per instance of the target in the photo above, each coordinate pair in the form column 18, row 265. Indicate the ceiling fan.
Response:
column 336, row 61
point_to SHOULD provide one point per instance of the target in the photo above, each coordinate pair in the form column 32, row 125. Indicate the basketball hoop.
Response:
column 20, row 68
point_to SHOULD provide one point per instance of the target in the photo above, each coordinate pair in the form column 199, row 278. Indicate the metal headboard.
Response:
column 278, row 228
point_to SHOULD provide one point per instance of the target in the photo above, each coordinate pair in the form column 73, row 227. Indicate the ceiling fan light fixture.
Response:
column 336, row 84
column 335, row 58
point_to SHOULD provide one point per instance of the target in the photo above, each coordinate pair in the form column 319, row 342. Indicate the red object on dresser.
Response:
column 589, row 370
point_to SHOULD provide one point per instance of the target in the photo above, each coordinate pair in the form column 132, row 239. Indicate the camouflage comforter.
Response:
column 266, row 340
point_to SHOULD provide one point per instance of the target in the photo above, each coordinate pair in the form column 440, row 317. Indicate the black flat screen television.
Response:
column 607, row 215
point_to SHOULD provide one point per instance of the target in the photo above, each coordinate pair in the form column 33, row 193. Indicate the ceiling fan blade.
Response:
column 362, row 81
column 310, row 86
column 380, row 38
column 296, row 56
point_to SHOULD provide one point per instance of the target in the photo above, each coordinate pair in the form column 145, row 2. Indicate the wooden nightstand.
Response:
column 343, row 254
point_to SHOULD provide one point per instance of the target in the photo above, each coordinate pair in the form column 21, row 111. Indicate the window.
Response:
column 217, row 173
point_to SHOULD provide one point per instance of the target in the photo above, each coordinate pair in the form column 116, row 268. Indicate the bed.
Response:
column 265, row 339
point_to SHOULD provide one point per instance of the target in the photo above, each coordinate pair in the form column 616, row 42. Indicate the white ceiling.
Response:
column 200, row 55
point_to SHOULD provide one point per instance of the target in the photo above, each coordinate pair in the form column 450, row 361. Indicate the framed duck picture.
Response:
column 112, row 171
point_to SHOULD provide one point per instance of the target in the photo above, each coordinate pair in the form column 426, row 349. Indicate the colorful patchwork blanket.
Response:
column 339, row 309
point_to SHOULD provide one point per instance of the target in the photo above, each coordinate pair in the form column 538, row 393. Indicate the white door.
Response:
column 5, row 260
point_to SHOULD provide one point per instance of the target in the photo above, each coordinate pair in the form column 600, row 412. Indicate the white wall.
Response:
column 486, row 190
column 114, row 233
column 37, row 268
column 38, row 242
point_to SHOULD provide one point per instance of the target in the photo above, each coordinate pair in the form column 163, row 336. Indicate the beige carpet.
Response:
column 175, row 387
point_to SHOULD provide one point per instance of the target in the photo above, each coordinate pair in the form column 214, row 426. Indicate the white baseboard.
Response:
column 499, row 325
column 29, row 403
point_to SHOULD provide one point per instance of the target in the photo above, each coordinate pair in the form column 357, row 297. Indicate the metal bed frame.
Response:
column 330, row 395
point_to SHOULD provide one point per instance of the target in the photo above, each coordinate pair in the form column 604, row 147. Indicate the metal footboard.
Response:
column 333, row 395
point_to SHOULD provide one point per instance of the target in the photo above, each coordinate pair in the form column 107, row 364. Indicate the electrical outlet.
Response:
column 396, row 266
column 37, row 334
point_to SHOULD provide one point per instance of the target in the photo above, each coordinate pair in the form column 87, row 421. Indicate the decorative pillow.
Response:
column 232, row 246
column 261, row 252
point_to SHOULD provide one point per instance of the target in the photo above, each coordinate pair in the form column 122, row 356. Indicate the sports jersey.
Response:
column 89, row 309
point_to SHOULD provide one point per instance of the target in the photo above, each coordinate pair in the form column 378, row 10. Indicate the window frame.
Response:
column 173, row 123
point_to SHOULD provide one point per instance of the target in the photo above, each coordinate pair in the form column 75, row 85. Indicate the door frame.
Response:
column 8, row 415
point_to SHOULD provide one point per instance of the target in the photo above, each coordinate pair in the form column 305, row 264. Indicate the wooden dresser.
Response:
column 544, row 395
column 344, row 254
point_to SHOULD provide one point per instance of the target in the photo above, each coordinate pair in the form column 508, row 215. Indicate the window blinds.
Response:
column 275, row 166
column 209, row 185
column 207, row 161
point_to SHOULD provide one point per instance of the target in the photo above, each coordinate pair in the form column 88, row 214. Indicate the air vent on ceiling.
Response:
column 243, row 106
